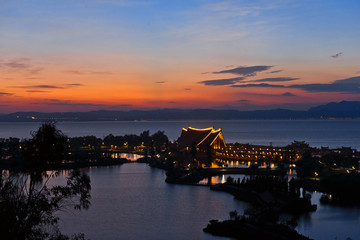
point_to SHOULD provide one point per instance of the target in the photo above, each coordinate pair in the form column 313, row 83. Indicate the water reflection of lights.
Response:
column 220, row 179
column 238, row 164
column 128, row 156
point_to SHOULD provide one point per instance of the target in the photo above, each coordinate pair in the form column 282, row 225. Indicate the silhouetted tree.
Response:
column 27, row 200
column 333, row 159
column 152, row 150
column 145, row 138
column 307, row 165
column 46, row 149
column 160, row 139
column 234, row 215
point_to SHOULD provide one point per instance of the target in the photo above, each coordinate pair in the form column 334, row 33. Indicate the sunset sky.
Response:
column 82, row 55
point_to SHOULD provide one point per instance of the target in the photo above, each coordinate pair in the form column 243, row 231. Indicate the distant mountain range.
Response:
column 344, row 109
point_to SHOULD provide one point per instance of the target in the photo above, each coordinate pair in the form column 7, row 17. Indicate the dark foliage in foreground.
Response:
column 28, row 200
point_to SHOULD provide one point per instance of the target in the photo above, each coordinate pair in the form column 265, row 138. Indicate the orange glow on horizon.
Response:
column 60, row 87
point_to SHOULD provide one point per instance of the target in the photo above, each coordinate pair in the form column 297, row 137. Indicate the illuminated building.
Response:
column 246, row 152
column 201, row 138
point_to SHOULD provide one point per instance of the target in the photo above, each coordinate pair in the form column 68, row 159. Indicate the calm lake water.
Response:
column 332, row 133
column 132, row 201
column 329, row 222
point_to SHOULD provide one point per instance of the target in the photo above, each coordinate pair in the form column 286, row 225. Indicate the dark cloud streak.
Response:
column 74, row 85
column 41, row 86
column 288, row 94
column 279, row 79
column 45, row 86
column 123, row 105
column 265, row 85
column 337, row 55
column 222, row 82
column 349, row 85
column 5, row 94
column 277, row 71
column 245, row 71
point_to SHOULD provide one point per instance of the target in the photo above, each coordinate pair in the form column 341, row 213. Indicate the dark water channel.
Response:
column 132, row 201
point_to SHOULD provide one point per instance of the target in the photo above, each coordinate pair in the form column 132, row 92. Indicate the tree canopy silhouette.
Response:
column 28, row 201
column 45, row 150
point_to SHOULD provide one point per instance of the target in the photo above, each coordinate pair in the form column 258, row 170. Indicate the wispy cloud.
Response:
column 36, row 91
column 77, row 104
column 34, row 71
column 224, row 21
column 245, row 71
column 222, row 82
column 5, row 94
column 286, row 94
column 187, row 89
column 337, row 55
column 74, row 85
column 40, row 86
column 45, row 86
column 276, row 71
column 76, row 72
column 58, row 102
column 160, row 82
column 20, row 65
column 101, row 73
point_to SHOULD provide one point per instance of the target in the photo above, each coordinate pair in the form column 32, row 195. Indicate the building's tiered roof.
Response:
column 202, row 138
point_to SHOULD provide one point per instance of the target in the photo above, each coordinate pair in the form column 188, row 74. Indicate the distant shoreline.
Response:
column 339, row 110
column 40, row 120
